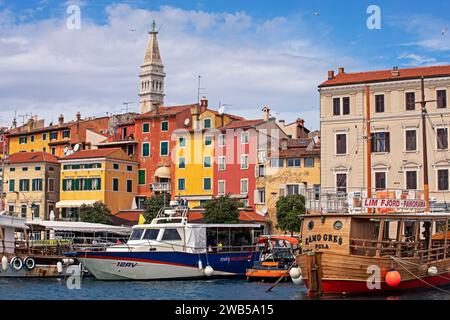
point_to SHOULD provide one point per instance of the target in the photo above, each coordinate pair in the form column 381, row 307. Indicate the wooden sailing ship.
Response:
column 376, row 250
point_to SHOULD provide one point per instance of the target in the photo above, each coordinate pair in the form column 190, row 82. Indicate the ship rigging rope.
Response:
column 417, row 277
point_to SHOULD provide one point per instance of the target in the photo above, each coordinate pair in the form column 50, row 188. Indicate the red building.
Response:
column 235, row 159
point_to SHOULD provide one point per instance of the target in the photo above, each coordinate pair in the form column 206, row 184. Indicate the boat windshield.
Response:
column 151, row 234
column 136, row 234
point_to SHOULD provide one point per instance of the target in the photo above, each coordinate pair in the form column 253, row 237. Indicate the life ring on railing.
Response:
column 29, row 263
column 16, row 263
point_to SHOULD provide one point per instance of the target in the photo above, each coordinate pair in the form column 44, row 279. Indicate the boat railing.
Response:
column 407, row 248
column 352, row 200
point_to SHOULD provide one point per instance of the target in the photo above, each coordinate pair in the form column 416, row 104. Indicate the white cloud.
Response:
column 416, row 60
column 47, row 69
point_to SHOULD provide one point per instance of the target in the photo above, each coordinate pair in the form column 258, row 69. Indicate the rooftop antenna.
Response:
column 199, row 89
column 126, row 104
column 26, row 116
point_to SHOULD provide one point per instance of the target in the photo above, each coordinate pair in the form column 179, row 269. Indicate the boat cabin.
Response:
column 425, row 236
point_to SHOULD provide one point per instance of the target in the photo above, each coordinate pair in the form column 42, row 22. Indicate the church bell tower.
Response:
column 152, row 75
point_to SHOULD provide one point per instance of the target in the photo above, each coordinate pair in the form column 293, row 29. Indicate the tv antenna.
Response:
column 126, row 106
column 199, row 89
column 222, row 107
column 25, row 116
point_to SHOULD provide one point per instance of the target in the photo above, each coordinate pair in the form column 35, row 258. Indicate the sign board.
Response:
column 394, row 203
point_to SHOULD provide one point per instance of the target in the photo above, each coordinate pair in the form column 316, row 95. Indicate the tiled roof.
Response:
column 166, row 111
column 242, row 124
column 226, row 114
column 88, row 154
column 32, row 157
column 386, row 75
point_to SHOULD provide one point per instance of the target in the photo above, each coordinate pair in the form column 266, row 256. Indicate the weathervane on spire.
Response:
column 153, row 26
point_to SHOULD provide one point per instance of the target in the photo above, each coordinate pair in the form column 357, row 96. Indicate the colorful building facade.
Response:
column 31, row 185
column 103, row 175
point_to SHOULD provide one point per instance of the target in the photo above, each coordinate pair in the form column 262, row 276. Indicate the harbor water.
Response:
column 219, row 289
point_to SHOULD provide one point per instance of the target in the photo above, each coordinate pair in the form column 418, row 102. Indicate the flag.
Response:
column 141, row 219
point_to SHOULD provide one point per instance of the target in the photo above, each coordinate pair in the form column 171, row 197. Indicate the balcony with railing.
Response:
column 160, row 187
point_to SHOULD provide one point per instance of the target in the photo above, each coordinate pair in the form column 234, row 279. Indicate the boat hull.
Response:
column 40, row 271
column 163, row 265
column 266, row 275
column 349, row 274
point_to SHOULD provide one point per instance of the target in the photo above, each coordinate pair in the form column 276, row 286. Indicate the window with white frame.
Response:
column 207, row 123
column 244, row 161
column 292, row 189
column 221, row 163
column 221, row 140
column 245, row 137
column 411, row 140
column 260, row 170
column 208, row 141
column 442, row 138
column 146, row 149
column 221, row 187
column 442, row 179
column 244, row 186
column 411, row 180
column 260, row 196
column 207, row 162
column 262, row 156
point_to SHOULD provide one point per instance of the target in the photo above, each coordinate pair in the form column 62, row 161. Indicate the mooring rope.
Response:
column 414, row 264
column 418, row 278
column 281, row 278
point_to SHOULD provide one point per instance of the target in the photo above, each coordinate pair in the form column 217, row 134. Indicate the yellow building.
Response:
column 194, row 156
column 35, row 137
column 103, row 175
column 31, row 185
column 294, row 169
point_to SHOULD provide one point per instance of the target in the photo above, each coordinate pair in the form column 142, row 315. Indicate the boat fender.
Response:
column 59, row 267
column 295, row 273
column 393, row 278
column 16, row 263
column 68, row 261
column 29, row 263
column 298, row 281
column 4, row 263
column 200, row 264
column 208, row 271
column 432, row 271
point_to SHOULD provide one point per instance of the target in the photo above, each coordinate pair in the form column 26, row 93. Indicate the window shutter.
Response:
column 257, row 171
column 388, row 142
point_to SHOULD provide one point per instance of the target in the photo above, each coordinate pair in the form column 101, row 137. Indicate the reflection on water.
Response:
column 223, row 289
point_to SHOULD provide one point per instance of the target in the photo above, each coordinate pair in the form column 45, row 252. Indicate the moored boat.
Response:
column 277, row 256
column 172, row 248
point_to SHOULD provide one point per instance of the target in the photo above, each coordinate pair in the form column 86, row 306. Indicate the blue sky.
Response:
column 250, row 53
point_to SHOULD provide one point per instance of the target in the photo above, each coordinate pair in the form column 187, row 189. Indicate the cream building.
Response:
column 32, row 185
column 396, row 130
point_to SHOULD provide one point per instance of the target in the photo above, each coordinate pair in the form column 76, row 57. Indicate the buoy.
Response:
column 295, row 273
column 68, row 261
column 393, row 278
column 432, row 271
column 4, row 263
column 59, row 267
column 208, row 271
column 200, row 264
column 298, row 281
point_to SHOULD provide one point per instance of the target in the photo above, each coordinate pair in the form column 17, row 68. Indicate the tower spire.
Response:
column 152, row 75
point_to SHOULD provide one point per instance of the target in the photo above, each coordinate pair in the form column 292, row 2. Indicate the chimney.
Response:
column 61, row 120
column 195, row 115
column 78, row 116
column 30, row 124
column 266, row 113
column 395, row 72
column 341, row 70
column 300, row 122
column 284, row 144
column 330, row 74
column 282, row 123
column 203, row 104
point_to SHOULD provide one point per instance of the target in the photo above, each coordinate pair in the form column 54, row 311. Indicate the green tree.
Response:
column 288, row 210
column 222, row 210
column 152, row 205
column 96, row 213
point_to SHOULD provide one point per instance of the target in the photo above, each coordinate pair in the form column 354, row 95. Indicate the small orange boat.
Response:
column 277, row 256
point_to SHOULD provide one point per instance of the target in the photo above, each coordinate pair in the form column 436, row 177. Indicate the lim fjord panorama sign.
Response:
column 394, row 203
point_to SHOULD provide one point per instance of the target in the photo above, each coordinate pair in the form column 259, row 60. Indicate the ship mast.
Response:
column 426, row 188
column 369, row 147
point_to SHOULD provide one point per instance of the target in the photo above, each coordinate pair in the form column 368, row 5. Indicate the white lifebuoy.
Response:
column 16, row 263
column 209, row 271
column 59, row 267
column 29, row 263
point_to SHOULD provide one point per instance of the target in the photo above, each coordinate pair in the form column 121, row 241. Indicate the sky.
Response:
column 249, row 54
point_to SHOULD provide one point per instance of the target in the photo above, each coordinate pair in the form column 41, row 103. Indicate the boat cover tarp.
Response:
column 196, row 239
column 72, row 226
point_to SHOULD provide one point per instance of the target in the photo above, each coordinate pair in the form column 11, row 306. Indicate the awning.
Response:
column 162, row 172
column 74, row 203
